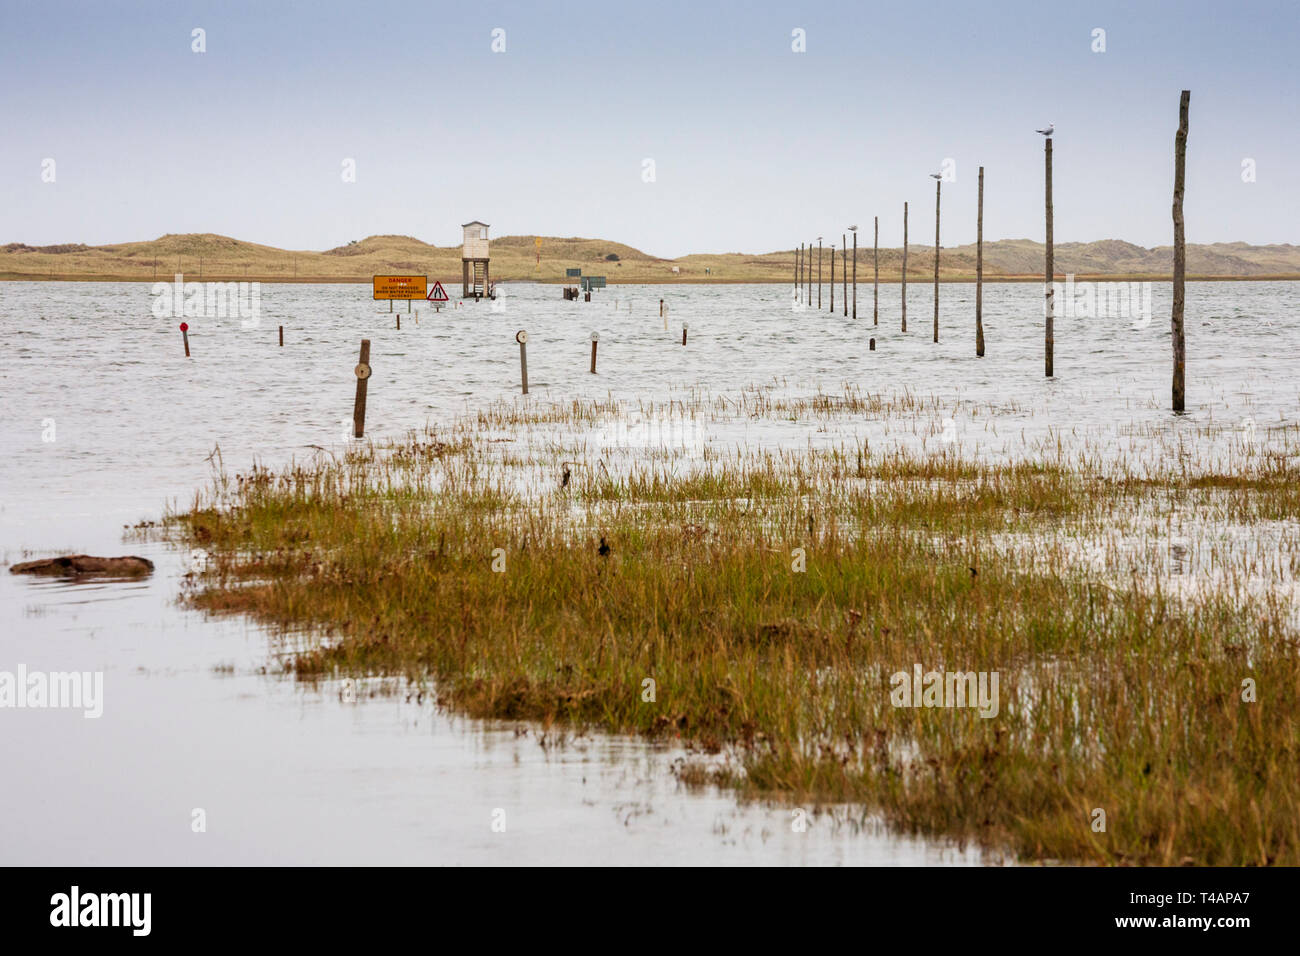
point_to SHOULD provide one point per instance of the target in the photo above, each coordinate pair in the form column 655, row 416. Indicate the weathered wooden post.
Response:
column 595, row 337
column 1049, row 269
column 979, row 271
column 185, row 337
column 282, row 336
column 363, row 377
column 832, row 278
column 873, row 345
column 903, row 292
column 796, row 273
column 683, row 333
column 819, row 272
column 855, row 272
column 938, row 185
column 1180, row 254
column 522, row 338
column 844, row 262
column 399, row 323
column 875, row 283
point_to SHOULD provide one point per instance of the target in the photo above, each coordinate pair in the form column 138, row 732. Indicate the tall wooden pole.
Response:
column 903, row 292
column 938, row 184
column 875, row 283
column 819, row 272
column 844, row 262
column 979, row 272
column 1049, row 338
column 1180, row 254
column 832, row 278
column 855, row 273
column 796, row 272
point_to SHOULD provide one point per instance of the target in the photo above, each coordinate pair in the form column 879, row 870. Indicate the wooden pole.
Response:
column 855, row 273
column 595, row 337
column 875, row 282
column 979, row 271
column 363, row 377
column 904, row 289
column 796, row 270
column 185, row 337
column 522, row 338
column 399, row 323
column 282, row 336
column 819, row 272
column 1180, row 255
column 844, row 262
column 1050, row 269
column 807, row 277
column 683, row 333
column 938, row 185
column 832, row 278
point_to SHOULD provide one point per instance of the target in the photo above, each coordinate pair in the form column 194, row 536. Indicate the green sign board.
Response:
column 572, row 273
column 593, row 282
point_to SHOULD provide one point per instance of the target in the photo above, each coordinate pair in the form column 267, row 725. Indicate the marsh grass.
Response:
column 1121, row 668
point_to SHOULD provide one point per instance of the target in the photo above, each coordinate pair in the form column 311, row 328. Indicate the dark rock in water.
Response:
column 71, row 565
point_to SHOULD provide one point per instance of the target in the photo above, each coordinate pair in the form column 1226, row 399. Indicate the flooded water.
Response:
column 105, row 422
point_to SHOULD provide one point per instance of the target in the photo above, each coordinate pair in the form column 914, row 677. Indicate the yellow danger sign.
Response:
column 401, row 287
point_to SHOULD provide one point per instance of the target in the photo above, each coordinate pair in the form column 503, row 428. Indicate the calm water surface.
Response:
column 105, row 422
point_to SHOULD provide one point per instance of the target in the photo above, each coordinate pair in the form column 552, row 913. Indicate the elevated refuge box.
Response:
column 475, row 261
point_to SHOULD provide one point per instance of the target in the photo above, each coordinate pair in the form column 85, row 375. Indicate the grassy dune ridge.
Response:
column 770, row 596
column 514, row 258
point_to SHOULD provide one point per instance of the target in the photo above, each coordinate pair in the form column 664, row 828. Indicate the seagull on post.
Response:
column 1051, row 128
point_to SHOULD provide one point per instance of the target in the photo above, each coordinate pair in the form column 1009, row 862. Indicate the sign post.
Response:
column 437, row 295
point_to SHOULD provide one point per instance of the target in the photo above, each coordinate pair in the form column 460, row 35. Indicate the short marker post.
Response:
column 595, row 337
column 185, row 336
column 282, row 336
column 683, row 333
column 522, row 338
column 363, row 377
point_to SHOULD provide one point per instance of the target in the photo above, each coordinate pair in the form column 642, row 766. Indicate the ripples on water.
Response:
column 195, row 714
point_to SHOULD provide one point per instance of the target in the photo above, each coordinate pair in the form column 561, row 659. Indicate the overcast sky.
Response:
column 754, row 146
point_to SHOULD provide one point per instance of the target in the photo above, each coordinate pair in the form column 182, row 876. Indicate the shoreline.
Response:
column 675, row 280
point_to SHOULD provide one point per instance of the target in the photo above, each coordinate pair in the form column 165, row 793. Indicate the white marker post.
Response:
column 595, row 337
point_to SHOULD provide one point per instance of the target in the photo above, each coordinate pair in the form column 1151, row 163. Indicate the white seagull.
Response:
column 936, row 175
column 1051, row 128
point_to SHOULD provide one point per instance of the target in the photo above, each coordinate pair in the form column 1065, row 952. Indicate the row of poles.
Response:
column 363, row 371
column 803, row 265
column 803, row 268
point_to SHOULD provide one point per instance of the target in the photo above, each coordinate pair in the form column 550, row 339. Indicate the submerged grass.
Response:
column 757, row 605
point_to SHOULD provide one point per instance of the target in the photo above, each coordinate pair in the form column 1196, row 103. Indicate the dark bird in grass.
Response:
column 603, row 550
column 564, row 477
column 973, row 572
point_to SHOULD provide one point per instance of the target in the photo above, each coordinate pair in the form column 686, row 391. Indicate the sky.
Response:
column 752, row 146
